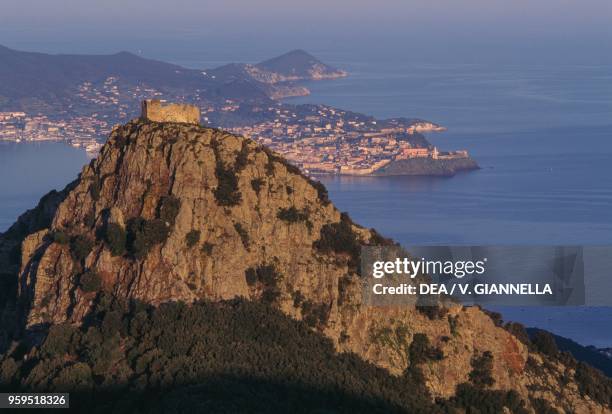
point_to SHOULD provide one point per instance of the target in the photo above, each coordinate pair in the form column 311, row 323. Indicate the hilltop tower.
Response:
column 155, row 110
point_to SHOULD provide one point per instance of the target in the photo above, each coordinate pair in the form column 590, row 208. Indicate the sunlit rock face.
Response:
column 172, row 211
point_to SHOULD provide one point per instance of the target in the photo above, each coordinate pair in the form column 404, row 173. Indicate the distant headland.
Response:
column 40, row 100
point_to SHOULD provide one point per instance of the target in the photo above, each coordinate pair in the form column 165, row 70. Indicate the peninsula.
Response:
column 80, row 106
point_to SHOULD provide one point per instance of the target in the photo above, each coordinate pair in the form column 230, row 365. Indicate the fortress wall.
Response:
column 154, row 110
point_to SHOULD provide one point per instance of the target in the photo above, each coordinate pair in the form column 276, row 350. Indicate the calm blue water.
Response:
column 542, row 136
column 30, row 170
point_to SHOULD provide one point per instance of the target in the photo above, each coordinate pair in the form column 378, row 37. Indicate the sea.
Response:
column 542, row 135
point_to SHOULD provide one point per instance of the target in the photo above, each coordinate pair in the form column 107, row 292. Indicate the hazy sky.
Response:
column 580, row 29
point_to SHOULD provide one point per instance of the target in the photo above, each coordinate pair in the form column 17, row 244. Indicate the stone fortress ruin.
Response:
column 155, row 110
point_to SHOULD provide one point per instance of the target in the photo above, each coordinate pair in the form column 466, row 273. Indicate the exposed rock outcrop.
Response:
column 178, row 212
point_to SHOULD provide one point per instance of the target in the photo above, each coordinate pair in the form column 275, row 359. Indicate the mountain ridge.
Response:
column 588, row 354
column 172, row 213
column 22, row 86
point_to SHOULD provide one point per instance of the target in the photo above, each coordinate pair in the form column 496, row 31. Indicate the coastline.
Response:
column 424, row 167
column 428, row 167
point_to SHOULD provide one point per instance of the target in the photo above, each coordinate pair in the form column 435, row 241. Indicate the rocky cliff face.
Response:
column 177, row 212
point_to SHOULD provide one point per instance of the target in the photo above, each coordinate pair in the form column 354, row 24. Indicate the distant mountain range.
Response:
column 45, row 83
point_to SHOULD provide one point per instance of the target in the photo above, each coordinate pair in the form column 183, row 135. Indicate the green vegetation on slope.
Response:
column 234, row 356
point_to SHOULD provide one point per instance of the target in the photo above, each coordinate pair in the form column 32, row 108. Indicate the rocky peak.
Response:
column 179, row 212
